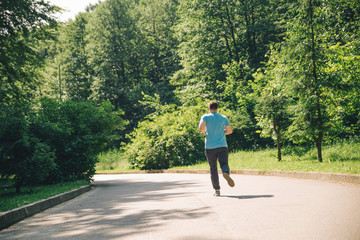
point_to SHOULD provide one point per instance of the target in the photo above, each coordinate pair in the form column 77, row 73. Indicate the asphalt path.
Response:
column 182, row 206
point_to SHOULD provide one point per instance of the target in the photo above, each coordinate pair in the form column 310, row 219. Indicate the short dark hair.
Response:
column 213, row 105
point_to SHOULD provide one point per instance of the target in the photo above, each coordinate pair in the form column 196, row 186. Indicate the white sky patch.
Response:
column 71, row 7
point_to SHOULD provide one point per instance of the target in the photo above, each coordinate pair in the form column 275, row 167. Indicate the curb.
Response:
column 328, row 177
column 13, row 216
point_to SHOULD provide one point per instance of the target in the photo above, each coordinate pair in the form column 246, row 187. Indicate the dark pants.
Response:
column 212, row 156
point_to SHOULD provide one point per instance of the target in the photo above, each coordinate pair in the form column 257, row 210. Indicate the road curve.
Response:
column 181, row 207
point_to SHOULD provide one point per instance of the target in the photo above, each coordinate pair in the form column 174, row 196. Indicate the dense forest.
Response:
column 137, row 74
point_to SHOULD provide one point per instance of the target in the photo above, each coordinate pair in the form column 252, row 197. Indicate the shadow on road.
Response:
column 113, row 210
column 248, row 196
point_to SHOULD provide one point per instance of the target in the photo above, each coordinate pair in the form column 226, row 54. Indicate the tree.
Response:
column 78, row 74
column 203, row 49
column 344, row 54
column 21, row 27
column 216, row 33
column 155, row 21
column 274, row 118
column 118, row 57
column 239, row 94
column 303, row 68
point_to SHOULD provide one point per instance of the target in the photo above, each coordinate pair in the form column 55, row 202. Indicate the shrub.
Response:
column 23, row 156
column 77, row 131
column 167, row 138
column 54, row 141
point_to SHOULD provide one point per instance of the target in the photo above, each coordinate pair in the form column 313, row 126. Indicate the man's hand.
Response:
column 228, row 130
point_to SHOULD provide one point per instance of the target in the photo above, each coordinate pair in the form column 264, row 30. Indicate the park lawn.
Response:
column 342, row 157
column 267, row 160
column 10, row 200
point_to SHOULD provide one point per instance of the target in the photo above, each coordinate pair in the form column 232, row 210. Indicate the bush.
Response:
column 54, row 141
column 23, row 156
column 168, row 138
column 78, row 131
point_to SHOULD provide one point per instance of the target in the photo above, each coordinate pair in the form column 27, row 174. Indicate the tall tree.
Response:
column 113, row 46
column 201, row 50
column 76, row 70
column 215, row 33
column 21, row 27
column 23, row 24
column 344, row 53
column 156, row 20
column 304, row 67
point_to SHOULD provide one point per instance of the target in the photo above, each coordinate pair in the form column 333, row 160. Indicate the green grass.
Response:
column 112, row 161
column 339, row 158
column 343, row 157
column 10, row 200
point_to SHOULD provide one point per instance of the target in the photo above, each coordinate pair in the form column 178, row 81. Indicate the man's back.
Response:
column 215, row 130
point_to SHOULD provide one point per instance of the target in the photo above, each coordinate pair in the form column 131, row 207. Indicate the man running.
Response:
column 215, row 126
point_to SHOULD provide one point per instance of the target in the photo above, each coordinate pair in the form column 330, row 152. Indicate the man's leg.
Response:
column 223, row 155
column 211, row 155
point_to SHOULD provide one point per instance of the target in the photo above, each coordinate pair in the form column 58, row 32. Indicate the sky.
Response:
column 72, row 7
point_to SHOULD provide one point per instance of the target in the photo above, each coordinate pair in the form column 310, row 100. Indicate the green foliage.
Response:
column 156, row 19
column 125, row 52
column 37, row 168
column 274, row 117
column 168, row 139
column 78, row 132
column 76, row 70
column 343, row 151
column 112, row 159
column 22, row 25
column 240, row 93
column 244, row 136
column 302, row 68
column 55, row 141
column 129, row 49
column 272, row 111
column 23, row 15
column 22, row 154
column 215, row 34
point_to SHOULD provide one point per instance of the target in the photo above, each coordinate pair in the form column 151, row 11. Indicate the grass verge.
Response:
column 343, row 157
column 10, row 200
column 112, row 161
column 339, row 158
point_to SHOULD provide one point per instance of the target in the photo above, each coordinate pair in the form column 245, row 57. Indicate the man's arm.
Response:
column 202, row 127
column 228, row 130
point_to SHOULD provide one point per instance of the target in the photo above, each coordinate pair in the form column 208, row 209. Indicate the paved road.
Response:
column 181, row 207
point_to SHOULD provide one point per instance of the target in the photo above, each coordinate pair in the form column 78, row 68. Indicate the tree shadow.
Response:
column 248, row 196
column 108, row 212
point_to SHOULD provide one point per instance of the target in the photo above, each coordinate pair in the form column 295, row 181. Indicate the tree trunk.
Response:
column 276, row 127
column 232, row 33
column 248, row 34
column 319, row 146
column 319, row 138
column 17, row 187
column 320, row 134
column 225, row 36
column 278, row 146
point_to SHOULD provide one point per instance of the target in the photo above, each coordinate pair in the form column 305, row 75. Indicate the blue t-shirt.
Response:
column 215, row 130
